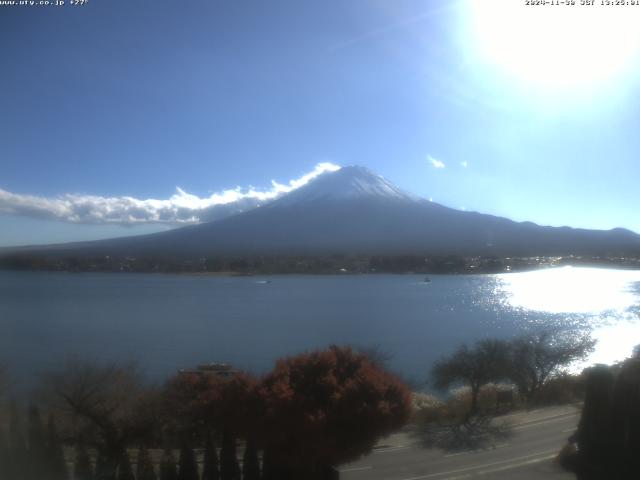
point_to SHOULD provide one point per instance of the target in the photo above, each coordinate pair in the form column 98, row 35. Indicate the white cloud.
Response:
column 464, row 164
column 180, row 208
column 435, row 163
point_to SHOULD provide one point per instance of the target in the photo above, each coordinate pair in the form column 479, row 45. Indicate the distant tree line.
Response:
column 302, row 264
column 312, row 412
column 271, row 264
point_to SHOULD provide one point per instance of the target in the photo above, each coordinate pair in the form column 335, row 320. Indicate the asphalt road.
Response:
column 527, row 455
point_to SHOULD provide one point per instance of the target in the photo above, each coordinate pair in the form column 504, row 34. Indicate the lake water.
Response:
column 166, row 322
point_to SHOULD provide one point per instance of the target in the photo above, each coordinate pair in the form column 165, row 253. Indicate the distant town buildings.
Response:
column 219, row 369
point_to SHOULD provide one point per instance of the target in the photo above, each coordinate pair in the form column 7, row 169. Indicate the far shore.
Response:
column 324, row 267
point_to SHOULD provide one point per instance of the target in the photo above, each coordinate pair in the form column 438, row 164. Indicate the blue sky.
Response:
column 130, row 99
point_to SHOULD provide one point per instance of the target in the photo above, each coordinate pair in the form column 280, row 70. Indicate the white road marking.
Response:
column 523, row 426
column 480, row 450
column 391, row 449
column 474, row 469
column 518, row 465
column 500, row 469
column 355, row 469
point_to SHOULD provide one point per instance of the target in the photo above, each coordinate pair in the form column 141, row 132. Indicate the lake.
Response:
column 167, row 322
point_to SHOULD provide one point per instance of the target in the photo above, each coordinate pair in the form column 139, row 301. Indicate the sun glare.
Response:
column 562, row 290
column 608, row 297
column 556, row 46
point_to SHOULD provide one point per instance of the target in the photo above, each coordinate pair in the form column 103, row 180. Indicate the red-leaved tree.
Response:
column 328, row 407
column 202, row 402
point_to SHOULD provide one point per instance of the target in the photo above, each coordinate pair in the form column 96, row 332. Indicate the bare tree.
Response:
column 474, row 367
column 537, row 357
column 106, row 406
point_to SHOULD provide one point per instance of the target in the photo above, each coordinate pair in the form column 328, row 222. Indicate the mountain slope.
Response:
column 354, row 211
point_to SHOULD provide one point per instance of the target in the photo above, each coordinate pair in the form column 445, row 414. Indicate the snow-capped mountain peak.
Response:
column 352, row 182
column 355, row 211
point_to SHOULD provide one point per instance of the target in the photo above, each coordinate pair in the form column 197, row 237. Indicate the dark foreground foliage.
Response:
column 607, row 441
column 311, row 412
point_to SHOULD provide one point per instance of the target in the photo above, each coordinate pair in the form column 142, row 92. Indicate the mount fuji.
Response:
column 355, row 211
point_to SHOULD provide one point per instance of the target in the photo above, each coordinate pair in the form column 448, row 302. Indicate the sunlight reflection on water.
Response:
column 607, row 302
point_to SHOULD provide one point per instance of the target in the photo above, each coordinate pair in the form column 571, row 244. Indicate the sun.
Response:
column 555, row 46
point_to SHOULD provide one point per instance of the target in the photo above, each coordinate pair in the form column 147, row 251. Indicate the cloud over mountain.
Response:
column 180, row 208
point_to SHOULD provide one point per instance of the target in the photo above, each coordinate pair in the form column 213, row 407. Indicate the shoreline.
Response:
column 231, row 273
